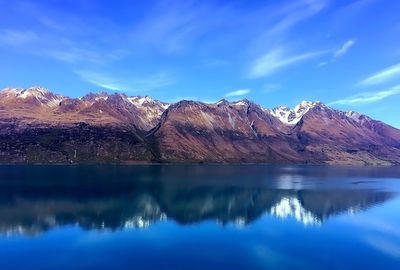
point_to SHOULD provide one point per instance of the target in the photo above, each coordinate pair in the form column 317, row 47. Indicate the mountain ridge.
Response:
column 39, row 126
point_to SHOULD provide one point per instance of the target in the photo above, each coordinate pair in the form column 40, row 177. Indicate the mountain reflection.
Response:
column 35, row 199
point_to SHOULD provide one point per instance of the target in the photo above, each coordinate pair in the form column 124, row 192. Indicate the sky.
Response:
column 341, row 52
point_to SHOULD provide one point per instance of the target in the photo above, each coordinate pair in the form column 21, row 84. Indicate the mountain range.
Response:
column 38, row 126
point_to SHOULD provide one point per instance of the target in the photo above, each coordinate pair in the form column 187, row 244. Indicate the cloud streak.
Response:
column 102, row 80
column 367, row 97
column 236, row 93
column 382, row 76
column 339, row 52
column 276, row 60
column 297, row 12
column 137, row 84
column 15, row 37
column 344, row 49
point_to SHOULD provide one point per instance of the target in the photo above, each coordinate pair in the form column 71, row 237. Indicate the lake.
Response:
column 199, row 217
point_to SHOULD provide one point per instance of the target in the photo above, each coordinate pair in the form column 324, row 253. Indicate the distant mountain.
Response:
column 43, row 107
column 38, row 126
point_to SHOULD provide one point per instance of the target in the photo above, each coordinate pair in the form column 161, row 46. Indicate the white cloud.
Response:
column 367, row 97
column 345, row 48
column 382, row 76
column 240, row 92
column 338, row 53
column 275, row 60
column 295, row 12
column 179, row 24
column 101, row 80
column 142, row 84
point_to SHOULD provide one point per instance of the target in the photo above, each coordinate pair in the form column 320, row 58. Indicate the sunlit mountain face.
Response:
column 36, row 199
column 41, row 127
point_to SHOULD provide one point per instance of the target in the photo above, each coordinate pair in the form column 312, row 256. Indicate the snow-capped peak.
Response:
column 37, row 92
column 242, row 102
column 92, row 97
column 293, row 116
column 358, row 117
column 284, row 114
column 24, row 93
column 42, row 95
column 306, row 105
column 353, row 115
column 222, row 101
column 140, row 100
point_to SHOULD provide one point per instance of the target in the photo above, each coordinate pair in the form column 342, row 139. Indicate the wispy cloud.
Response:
column 236, row 93
column 77, row 55
column 382, row 76
column 144, row 83
column 344, row 49
column 276, row 59
column 16, row 37
column 367, row 97
column 102, row 80
column 339, row 52
column 297, row 12
column 271, row 31
column 60, row 48
column 351, row 11
column 178, row 24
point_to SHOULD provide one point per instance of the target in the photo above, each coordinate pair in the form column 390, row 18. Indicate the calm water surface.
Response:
column 199, row 217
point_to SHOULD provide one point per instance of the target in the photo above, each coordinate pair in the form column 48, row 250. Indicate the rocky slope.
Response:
column 38, row 126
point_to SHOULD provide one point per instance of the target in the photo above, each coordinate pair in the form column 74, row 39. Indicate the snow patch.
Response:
column 293, row 116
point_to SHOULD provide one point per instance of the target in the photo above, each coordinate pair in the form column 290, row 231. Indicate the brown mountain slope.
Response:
column 341, row 139
column 222, row 132
column 39, row 126
column 38, row 105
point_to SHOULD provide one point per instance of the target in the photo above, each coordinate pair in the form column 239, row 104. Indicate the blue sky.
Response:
column 344, row 53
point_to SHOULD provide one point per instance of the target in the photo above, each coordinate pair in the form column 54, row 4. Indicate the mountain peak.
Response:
column 293, row 116
column 92, row 97
column 306, row 105
column 38, row 92
column 26, row 92
column 38, row 89
column 32, row 95
column 242, row 102
column 222, row 101
column 141, row 99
